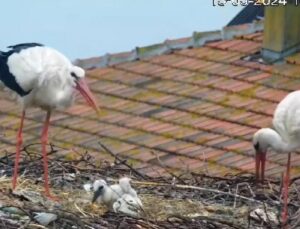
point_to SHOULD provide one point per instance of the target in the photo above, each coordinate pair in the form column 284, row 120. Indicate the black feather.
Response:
column 19, row 47
column 256, row 146
column 98, row 193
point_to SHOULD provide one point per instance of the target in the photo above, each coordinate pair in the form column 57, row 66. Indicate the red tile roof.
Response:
column 191, row 109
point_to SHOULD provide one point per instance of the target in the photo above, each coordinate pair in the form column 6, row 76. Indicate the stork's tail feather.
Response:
column 2, row 63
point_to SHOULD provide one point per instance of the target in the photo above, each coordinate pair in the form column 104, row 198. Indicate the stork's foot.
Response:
column 259, row 182
column 51, row 197
column 14, row 183
column 284, row 213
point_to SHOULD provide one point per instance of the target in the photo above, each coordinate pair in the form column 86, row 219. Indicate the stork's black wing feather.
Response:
column 19, row 47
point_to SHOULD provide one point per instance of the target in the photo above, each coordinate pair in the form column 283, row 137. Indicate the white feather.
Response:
column 109, row 193
column 127, row 205
column 286, row 118
column 34, row 65
column 126, row 187
column 47, row 73
column 44, row 218
column 88, row 187
column 112, row 193
column 286, row 121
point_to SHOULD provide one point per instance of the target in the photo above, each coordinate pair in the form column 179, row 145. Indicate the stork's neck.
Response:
column 276, row 142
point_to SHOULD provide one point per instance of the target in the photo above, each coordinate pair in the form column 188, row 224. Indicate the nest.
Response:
column 176, row 201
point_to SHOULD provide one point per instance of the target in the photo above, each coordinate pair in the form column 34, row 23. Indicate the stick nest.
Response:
column 173, row 201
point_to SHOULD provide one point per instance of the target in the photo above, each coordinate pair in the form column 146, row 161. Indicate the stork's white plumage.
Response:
column 41, row 77
column 284, row 139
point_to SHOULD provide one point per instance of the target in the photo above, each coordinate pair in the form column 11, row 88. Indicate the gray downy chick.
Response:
column 106, row 194
column 125, row 185
column 127, row 205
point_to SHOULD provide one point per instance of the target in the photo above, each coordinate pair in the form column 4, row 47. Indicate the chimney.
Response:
column 281, row 31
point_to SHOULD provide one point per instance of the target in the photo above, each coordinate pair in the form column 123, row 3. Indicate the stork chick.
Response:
column 126, row 187
column 110, row 194
column 106, row 194
column 128, row 205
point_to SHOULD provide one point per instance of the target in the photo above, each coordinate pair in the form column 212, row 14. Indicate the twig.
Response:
column 267, row 215
column 25, row 225
column 201, row 189
column 166, row 167
column 36, row 226
column 236, row 191
column 76, row 206
column 120, row 160
column 213, row 219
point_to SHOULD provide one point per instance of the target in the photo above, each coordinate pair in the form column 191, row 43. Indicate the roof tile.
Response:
column 189, row 109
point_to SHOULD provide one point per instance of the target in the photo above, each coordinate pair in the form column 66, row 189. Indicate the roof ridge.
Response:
column 197, row 39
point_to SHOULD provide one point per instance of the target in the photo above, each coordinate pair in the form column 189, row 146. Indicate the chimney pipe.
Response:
column 281, row 31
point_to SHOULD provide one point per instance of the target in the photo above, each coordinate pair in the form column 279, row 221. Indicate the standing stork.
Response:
column 284, row 139
column 41, row 77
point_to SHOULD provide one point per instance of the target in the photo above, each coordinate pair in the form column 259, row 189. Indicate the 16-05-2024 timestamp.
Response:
column 254, row 2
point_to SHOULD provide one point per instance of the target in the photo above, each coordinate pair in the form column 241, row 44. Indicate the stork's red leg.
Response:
column 44, row 140
column 18, row 151
column 286, row 184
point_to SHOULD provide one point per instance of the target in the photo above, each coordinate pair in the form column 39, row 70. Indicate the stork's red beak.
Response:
column 84, row 90
column 260, row 161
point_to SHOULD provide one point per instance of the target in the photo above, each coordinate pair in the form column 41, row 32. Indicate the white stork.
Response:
column 41, row 77
column 284, row 139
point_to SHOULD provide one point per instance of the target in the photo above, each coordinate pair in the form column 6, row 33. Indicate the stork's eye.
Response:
column 74, row 76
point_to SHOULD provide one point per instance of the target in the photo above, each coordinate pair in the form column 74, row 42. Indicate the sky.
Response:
column 87, row 28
